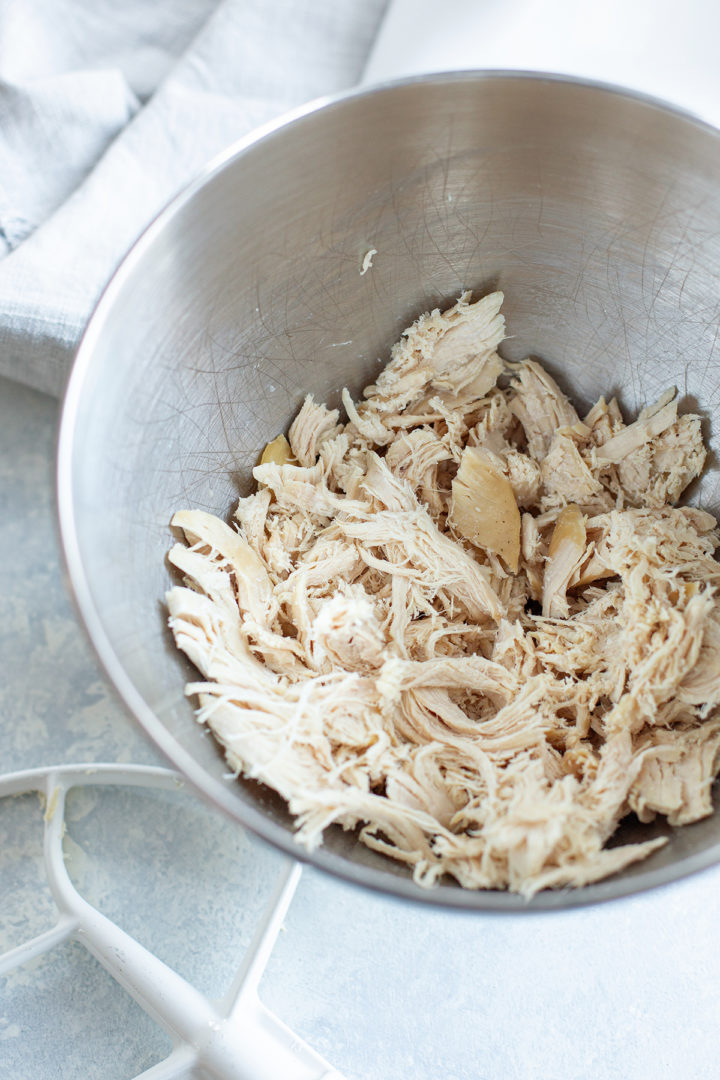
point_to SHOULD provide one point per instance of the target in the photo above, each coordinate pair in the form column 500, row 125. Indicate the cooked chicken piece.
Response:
column 285, row 540
column 658, row 472
column 651, row 422
column 368, row 629
column 447, row 351
column 675, row 542
column 251, row 514
column 415, row 457
column 678, row 769
column 533, row 552
column 412, row 546
column 312, row 427
column 227, row 548
column 484, row 509
column 604, row 420
column 297, row 488
column 657, row 456
column 701, row 686
column 565, row 554
column 495, row 428
column 464, row 355
column 679, row 456
column 415, row 453
column 459, row 672
column 540, row 406
column 565, row 475
column 525, row 477
column 347, row 631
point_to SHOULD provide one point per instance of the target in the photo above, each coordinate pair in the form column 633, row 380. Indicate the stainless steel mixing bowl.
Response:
column 598, row 214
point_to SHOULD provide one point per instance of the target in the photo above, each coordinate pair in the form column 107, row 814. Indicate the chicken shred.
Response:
column 368, row 628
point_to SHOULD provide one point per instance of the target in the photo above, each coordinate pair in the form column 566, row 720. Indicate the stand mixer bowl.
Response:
column 595, row 211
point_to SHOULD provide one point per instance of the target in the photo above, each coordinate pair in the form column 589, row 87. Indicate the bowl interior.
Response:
column 597, row 213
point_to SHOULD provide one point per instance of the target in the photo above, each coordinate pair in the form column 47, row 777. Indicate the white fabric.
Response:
column 107, row 108
column 659, row 47
column 85, row 165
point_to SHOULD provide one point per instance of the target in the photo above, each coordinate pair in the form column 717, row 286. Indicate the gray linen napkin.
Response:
column 107, row 110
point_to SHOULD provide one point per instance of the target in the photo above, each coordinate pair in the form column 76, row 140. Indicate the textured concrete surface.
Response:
column 627, row 991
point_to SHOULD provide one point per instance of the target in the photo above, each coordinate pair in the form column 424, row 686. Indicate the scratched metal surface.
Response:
column 598, row 214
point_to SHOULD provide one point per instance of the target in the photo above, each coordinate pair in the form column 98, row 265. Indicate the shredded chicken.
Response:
column 465, row 622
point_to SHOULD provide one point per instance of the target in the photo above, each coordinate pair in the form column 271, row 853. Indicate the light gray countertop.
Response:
column 384, row 990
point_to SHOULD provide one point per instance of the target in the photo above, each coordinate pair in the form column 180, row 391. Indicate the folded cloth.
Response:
column 102, row 122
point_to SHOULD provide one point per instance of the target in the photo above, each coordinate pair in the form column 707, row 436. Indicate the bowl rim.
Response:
column 213, row 791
